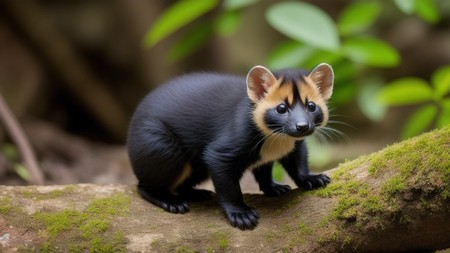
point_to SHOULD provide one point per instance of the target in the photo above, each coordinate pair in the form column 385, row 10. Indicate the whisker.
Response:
column 330, row 123
column 320, row 138
column 271, row 137
column 325, row 137
column 335, row 133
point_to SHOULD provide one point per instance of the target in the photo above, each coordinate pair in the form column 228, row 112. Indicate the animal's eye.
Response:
column 281, row 109
column 311, row 106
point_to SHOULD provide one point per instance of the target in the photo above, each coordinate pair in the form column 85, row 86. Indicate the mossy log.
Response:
column 395, row 200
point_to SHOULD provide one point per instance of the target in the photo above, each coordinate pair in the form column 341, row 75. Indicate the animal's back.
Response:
column 193, row 106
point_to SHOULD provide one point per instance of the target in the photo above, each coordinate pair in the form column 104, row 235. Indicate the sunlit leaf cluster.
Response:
column 433, row 100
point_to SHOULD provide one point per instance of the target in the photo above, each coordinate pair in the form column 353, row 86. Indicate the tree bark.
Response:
column 395, row 200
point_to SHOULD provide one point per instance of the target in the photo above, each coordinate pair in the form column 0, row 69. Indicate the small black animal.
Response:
column 212, row 125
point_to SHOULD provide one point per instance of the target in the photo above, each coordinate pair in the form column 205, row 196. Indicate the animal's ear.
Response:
column 259, row 80
column 323, row 77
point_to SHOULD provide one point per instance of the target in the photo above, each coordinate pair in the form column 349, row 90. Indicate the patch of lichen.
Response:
column 87, row 230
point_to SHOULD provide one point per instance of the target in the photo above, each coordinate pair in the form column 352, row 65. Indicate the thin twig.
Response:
column 17, row 134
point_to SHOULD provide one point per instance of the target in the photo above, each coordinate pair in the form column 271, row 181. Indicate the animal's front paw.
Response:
column 311, row 182
column 241, row 216
column 275, row 189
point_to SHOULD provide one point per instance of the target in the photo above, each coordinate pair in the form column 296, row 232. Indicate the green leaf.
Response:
column 227, row 23
column 304, row 22
column 406, row 6
column 371, row 51
column 367, row 102
column 237, row 4
column 330, row 57
column 427, row 10
column 405, row 91
column 358, row 16
column 22, row 172
column 176, row 16
column 441, row 80
column 289, row 54
column 345, row 89
column 343, row 94
column 419, row 121
column 444, row 116
column 190, row 42
column 347, row 71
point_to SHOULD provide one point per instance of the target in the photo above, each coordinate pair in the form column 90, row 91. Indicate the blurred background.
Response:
column 72, row 72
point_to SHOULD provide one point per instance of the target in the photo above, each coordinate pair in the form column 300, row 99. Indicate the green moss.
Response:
column 419, row 163
column 347, row 240
column 418, row 169
column 49, row 195
column 393, row 186
column 223, row 243
column 183, row 249
column 373, row 204
column 339, row 188
column 271, row 236
column 27, row 194
column 88, row 230
column 60, row 221
column 117, row 204
column 304, row 229
column 93, row 227
column 222, row 240
column 5, row 205
column 56, row 193
column 342, row 172
column 346, row 208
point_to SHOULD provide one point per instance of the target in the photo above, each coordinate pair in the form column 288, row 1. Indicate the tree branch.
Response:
column 395, row 200
column 18, row 136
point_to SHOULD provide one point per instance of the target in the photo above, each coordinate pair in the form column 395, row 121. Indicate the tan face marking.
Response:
column 311, row 92
column 278, row 93
column 267, row 92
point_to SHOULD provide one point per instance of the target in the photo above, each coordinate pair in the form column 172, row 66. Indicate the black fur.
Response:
column 205, row 120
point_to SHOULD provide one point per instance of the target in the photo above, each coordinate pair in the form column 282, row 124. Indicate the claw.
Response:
column 311, row 182
column 242, row 217
column 275, row 190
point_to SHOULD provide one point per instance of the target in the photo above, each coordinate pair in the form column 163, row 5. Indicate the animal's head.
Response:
column 290, row 102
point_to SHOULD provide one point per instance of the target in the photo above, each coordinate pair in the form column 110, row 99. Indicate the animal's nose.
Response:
column 302, row 127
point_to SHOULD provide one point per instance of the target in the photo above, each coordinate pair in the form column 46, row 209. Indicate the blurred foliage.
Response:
column 177, row 16
column 348, row 44
column 11, row 154
column 433, row 99
column 425, row 9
